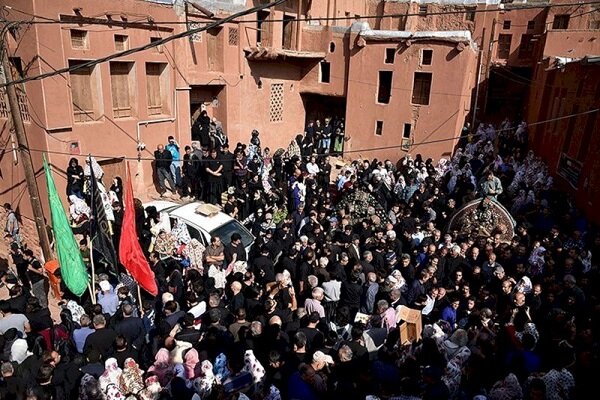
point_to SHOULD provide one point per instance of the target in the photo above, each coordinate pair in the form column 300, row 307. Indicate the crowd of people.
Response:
column 312, row 310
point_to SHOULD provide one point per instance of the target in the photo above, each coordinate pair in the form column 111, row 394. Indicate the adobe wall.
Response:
column 562, row 93
column 441, row 119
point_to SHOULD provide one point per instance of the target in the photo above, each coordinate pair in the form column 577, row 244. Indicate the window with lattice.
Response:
column 276, row 102
column 79, row 39
column 16, row 73
column 234, row 36
column 195, row 37
column 23, row 104
column 3, row 105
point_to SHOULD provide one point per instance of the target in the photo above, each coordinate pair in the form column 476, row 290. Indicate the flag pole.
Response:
column 91, row 293
column 91, row 246
column 90, row 239
column 140, row 307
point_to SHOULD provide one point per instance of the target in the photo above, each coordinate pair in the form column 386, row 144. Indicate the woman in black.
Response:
column 204, row 131
column 214, row 168
column 75, row 178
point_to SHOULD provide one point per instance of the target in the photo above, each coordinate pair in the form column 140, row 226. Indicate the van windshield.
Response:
column 233, row 226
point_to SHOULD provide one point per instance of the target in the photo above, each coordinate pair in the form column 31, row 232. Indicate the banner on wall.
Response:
column 569, row 169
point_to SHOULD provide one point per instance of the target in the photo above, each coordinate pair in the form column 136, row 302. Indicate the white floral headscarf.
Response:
column 76, row 310
column 98, row 171
column 181, row 233
column 254, row 367
column 204, row 383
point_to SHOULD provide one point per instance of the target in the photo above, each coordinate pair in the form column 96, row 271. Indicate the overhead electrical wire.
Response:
column 230, row 19
column 502, row 8
column 412, row 145
column 150, row 45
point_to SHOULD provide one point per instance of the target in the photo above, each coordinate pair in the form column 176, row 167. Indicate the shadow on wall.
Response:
column 426, row 138
column 281, row 71
column 452, row 54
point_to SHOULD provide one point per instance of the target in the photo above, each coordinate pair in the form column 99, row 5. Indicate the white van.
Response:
column 202, row 227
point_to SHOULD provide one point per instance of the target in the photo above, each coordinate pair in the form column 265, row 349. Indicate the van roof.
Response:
column 188, row 212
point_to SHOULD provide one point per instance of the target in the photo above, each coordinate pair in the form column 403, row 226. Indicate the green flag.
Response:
column 72, row 267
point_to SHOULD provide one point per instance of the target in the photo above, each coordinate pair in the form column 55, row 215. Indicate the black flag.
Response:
column 99, row 226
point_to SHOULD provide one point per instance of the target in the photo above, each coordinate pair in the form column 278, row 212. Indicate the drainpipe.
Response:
column 298, row 16
column 480, row 60
column 487, row 66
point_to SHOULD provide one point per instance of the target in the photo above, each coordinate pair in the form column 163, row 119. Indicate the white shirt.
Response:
column 332, row 290
column 16, row 321
column 312, row 168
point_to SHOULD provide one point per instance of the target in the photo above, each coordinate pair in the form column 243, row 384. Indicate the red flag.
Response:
column 130, row 252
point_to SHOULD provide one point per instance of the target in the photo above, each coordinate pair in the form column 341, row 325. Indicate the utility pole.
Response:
column 34, row 194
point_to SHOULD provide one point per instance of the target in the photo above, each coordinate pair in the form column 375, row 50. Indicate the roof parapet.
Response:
column 450, row 2
column 364, row 31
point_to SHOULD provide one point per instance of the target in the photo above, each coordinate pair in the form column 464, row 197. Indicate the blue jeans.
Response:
column 176, row 174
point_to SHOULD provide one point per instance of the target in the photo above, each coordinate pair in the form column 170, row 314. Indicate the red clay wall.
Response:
column 441, row 119
column 564, row 93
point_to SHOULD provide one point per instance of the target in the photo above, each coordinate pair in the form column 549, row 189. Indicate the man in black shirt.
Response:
column 264, row 268
column 188, row 332
column 231, row 207
column 123, row 351
column 20, row 263
column 18, row 299
column 132, row 328
column 288, row 262
column 227, row 158
column 35, row 273
column 11, row 386
column 214, row 172
column 102, row 339
column 158, row 267
column 324, row 175
column 187, row 172
column 163, row 159
column 235, row 250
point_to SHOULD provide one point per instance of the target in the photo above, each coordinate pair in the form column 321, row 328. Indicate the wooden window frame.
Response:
column 121, row 73
column 153, row 107
column 503, row 52
column 86, row 100
column 421, row 95
column 429, row 58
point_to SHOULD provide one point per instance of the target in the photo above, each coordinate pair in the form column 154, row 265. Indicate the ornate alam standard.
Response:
column 483, row 217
